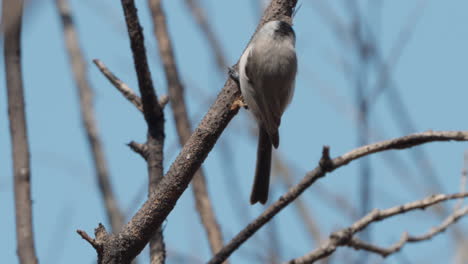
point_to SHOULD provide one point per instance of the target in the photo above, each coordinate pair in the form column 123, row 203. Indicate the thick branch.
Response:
column 183, row 126
column 11, row 18
column 85, row 93
column 124, row 246
column 345, row 237
column 327, row 165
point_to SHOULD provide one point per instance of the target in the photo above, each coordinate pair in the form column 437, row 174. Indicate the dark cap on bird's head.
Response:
column 284, row 29
column 278, row 28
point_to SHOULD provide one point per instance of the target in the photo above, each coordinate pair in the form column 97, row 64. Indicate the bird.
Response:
column 267, row 73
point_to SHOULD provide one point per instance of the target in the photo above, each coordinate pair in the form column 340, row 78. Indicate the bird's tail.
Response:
column 262, row 171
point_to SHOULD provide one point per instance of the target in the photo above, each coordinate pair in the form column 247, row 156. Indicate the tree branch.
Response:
column 151, row 109
column 120, row 85
column 155, row 171
column 124, row 89
column 183, row 126
column 124, row 246
column 154, row 117
column 345, row 237
column 326, row 165
column 12, row 12
column 85, row 93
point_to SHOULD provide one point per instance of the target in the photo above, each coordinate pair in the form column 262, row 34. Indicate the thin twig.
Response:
column 78, row 64
column 345, row 237
column 125, row 90
column 86, row 237
column 141, row 149
column 183, row 126
column 120, row 85
column 12, row 12
column 327, row 165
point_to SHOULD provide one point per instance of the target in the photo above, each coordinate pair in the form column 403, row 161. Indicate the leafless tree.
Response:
column 125, row 241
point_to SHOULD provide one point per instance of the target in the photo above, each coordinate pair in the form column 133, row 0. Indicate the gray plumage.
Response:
column 267, row 72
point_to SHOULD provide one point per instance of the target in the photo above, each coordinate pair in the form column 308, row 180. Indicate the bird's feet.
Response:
column 238, row 103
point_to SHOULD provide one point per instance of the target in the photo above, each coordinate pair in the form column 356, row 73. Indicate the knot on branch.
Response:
column 163, row 100
column 342, row 237
column 325, row 161
column 139, row 148
column 101, row 237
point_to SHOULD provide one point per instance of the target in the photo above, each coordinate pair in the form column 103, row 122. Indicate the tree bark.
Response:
column 11, row 19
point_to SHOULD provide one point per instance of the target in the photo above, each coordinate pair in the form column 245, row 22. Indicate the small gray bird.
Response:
column 267, row 72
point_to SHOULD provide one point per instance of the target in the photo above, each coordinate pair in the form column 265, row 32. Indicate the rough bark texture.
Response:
column 154, row 117
column 182, row 122
column 127, row 244
column 11, row 19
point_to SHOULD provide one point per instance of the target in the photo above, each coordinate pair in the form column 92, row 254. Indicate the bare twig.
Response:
column 120, row 85
column 183, row 126
column 85, row 93
column 125, row 90
column 86, row 237
column 12, row 11
column 385, row 252
column 327, row 165
column 124, row 246
column 345, row 237
column 139, row 148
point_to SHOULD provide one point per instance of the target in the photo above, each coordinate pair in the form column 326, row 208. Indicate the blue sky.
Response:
column 430, row 77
